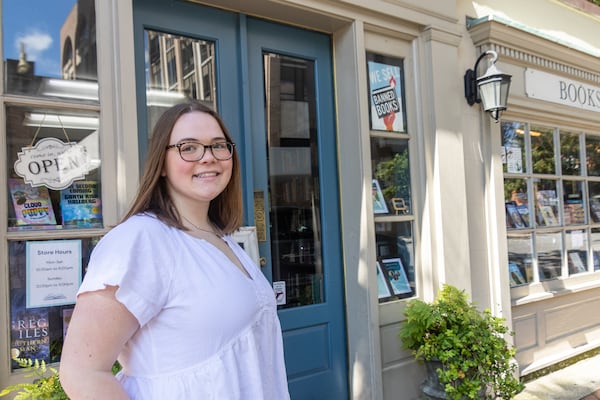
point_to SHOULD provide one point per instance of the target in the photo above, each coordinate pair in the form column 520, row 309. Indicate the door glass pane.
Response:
column 294, row 189
column 178, row 69
column 50, row 48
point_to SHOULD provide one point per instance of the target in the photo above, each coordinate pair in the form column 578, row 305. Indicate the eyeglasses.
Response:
column 194, row 151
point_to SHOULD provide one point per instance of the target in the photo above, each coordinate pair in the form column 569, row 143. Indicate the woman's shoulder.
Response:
column 141, row 225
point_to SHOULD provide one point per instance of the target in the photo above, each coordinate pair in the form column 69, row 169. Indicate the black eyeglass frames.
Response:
column 194, row 151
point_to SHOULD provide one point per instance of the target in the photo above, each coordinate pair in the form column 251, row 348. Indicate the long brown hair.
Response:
column 225, row 211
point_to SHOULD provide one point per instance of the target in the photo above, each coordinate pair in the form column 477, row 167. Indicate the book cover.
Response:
column 514, row 216
column 32, row 204
column 548, row 216
column 396, row 276
column 81, row 206
column 516, row 277
column 30, row 334
column 382, row 286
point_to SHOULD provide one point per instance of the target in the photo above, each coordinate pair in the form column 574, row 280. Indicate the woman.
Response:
column 169, row 292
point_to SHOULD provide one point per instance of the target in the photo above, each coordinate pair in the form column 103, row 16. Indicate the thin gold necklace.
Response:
column 220, row 236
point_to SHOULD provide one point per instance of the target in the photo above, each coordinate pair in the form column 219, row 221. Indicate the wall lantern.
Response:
column 490, row 89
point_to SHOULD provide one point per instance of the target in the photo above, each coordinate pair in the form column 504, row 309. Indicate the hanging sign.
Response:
column 53, row 163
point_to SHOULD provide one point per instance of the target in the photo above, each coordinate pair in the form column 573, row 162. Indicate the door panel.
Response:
column 273, row 86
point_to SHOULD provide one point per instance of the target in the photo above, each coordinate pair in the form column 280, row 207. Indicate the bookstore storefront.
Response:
column 362, row 188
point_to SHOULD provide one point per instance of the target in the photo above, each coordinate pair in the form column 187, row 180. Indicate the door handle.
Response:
column 263, row 261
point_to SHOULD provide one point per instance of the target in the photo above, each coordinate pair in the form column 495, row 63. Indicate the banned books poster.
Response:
column 32, row 204
column 386, row 96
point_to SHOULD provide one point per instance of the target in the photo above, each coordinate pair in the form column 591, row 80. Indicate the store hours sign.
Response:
column 53, row 163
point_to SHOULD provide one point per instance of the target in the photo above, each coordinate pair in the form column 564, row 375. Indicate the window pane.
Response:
column 54, row 53
column 516, row 203
column 54, row 169
column 513, row 147
column 38, row 332
column 592, row 155
column 594, row 193
column 549, row 251
column 520, row 266
column 577, row 251
column 542, row 150
column 573, row 208
column 395, row 257
column 569, row 154
column 596, row 248
column 546, row 202
column 180, row 68
column 294, row 184
column 391, row 181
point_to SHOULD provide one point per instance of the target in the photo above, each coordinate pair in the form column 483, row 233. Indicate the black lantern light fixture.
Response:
column 490, row 89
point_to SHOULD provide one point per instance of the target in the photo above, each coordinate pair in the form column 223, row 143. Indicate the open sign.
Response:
column 53, row 163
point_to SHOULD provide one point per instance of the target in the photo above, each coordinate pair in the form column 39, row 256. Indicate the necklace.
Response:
column 219, row 235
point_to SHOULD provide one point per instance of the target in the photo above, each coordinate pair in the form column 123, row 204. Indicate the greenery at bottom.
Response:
column 477, row 362
column 45, row 386
column 46, row 383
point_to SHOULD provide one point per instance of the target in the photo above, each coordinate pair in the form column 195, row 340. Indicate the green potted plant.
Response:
column 45, row 385
column 464, row 349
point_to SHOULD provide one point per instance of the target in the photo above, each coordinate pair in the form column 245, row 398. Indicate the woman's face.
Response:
column 190, row 183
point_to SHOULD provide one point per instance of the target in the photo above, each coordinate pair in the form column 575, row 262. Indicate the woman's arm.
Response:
column 99, row 328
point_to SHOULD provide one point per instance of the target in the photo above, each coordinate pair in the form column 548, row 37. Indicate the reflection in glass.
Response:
column 592, row 155
column 520, row 264
column 395, row 255
column 178, row 68
column 549, row 252
column 594, row 194
column 577, row 255
column 570, row 158
column 573, row 208
column 516, row 200
column 54, row 54
column 37, row 333
column 546, row 202
column 513, row 147
column 390, row 166
column 78, row 206
column 294, row 185
column 595, row 239
column 542, row 150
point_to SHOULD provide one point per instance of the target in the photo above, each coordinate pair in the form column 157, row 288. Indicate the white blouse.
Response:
column 207, row 331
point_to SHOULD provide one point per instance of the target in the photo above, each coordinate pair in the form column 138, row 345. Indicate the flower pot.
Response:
column 432, row 388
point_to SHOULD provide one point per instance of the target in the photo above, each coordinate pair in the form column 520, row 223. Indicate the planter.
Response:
column 432, row 388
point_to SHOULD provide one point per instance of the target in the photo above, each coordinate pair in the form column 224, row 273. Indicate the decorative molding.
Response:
column 530, row 50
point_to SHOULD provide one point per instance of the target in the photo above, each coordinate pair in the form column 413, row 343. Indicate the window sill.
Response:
column 552, row 289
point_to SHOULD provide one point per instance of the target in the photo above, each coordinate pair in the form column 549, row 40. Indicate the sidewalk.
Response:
column 580, row 381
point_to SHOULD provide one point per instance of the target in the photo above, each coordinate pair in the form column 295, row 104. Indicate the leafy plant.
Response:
column 45, row 386
column 476, row 359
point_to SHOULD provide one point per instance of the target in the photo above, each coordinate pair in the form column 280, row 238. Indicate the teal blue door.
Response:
column 273, row 85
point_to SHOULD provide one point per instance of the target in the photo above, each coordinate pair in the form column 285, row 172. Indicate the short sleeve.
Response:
column 133, row 256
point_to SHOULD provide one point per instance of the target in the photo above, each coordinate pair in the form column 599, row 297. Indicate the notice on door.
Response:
column 53, row 272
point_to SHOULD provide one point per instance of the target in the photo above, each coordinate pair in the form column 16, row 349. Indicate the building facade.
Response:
column 368, row 178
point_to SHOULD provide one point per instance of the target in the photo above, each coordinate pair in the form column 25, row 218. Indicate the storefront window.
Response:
column 44, row 277
column 553, row 212
column 50, row 49
column 54, row 169
column 391, row 181
column 51, row 139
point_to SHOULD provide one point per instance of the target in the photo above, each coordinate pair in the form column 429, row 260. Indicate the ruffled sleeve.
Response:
column 135, row 257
